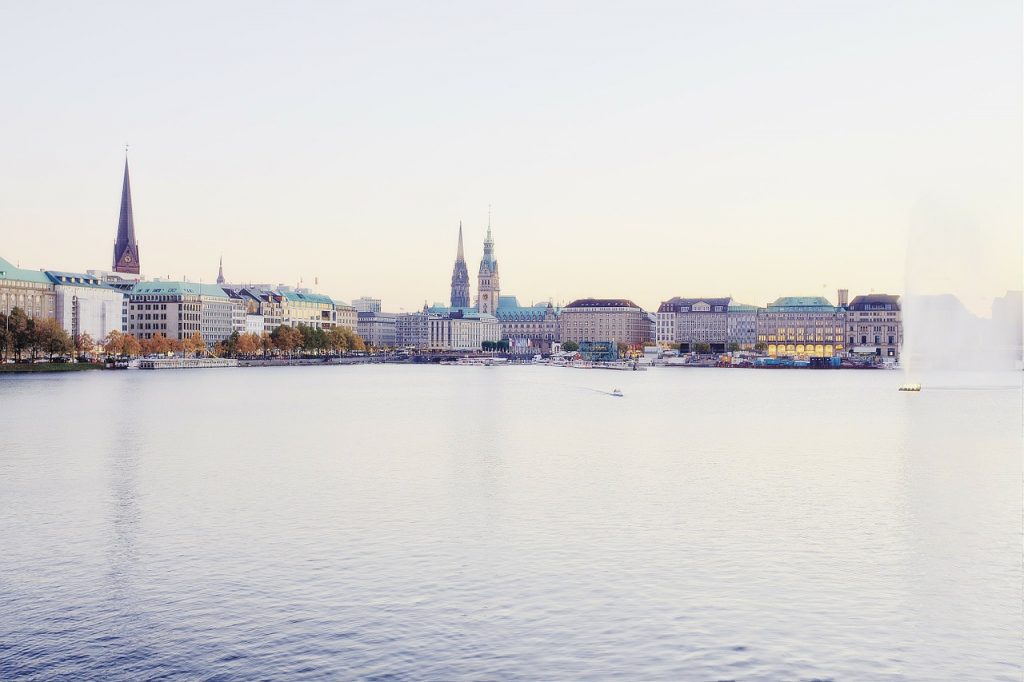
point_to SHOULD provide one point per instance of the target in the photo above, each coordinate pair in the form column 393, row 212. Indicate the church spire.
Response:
column 126, row 250
column 460, row 278
column 220, row 270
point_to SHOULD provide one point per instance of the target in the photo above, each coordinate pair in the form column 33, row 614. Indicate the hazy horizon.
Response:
column 645, row 152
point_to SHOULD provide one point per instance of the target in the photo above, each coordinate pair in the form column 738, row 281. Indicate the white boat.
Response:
column 616, row 392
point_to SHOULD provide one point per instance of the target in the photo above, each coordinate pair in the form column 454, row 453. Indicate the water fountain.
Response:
column 962, row 308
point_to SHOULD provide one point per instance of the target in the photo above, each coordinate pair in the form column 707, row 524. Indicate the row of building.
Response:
column 97, row 302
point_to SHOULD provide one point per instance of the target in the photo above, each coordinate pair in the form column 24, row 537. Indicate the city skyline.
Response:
column 753, row 173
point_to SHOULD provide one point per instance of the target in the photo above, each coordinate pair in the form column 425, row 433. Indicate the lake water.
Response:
column 462, row 523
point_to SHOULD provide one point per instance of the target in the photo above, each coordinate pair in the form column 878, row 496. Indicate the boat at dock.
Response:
column 186, row 363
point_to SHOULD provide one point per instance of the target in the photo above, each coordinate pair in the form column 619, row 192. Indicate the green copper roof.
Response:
column 310, row 298
column 9, row 271
column 742, row 308
column 177, row 289
column 801, row 304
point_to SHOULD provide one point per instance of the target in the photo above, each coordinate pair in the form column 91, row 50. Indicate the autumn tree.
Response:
column 49, row 338
column 84, row 345
column 113, row 343
column 131, row 346
column 194, row 344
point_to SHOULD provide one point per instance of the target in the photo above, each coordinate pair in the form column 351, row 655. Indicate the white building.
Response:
column 365, row 304
column 85, row 305
column 254, row 324
column 462, row 330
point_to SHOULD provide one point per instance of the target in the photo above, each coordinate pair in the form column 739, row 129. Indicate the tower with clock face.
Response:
column 126, row 249
column 488, row 284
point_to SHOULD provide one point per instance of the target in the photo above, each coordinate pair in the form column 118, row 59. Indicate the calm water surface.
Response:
column 457, row 523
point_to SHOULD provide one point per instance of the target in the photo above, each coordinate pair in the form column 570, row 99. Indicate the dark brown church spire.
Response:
column 126, row 249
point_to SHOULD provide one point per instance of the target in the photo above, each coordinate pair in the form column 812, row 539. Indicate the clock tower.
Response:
column 488, row 284
column 126, row 249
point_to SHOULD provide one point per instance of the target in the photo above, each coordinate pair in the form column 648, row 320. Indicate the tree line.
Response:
column 23, row 337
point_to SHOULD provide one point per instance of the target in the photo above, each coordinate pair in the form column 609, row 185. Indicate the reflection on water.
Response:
column 508, row 523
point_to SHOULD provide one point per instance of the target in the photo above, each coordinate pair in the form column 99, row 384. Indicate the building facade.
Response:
column 30, row 290
column 377, row 329
column 691, row 322
column 412, row 330
column 462, row 331
column 874, row 326
column 345, row 316
column 303, row 307
column 178, row 310
column 85, row 305
column 528, row 329
column 604, row 319
column 741, row 326
column 802, row 326
column 366, row 304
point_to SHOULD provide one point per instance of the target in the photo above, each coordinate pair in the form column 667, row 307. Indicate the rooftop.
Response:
column 178, row 289
column 9, row 271
column 603, row 303
column 801, row 304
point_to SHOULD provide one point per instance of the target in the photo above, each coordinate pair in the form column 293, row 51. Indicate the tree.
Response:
column 286, row 339
column 113, row 343
column 266, row 343
column 760, row 347
column 50, row 338
column 19, row 327
column 84, row 345
column 131, row 346
column 337, row 340
column 194, row 344
column 570, row 346
column 248, row 344
column 733, row 347
column 229, row 346
column 701, row 348
column 623, row 349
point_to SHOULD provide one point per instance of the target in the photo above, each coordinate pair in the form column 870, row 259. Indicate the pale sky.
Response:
column 633, row 149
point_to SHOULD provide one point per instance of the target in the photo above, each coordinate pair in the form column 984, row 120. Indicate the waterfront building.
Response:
column 690, row 322
column 604, row 319
column 412, row 330
column 528, row 329
column 178, row 310
column 303, row 307
column 30, row 290
column 377, row 329
column 126, row 249
column 488, row 281
column 266, row 303
column 741, row 325
column 239, row 308
column 874, row 325
column 365, row 304
column 254, row 324
column 801, row 326
column 460, row 278
column 464, row 331
column 345, row 315
column 84, row 304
